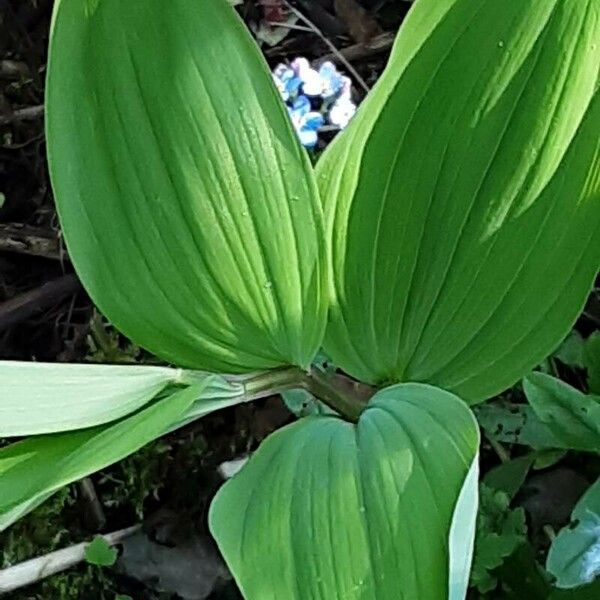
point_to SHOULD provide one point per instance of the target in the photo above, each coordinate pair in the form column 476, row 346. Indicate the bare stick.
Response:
column 34, row 241
column 36, row 569
column 26, row 305
column 331, row 46
column 29, row 113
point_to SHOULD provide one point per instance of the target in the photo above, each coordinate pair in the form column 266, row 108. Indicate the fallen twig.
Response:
column 28, row 113
column 331, row 46
column 380, row 43
column 24, row 306
column 34, row 241
column 13, row 69
column 36, row 569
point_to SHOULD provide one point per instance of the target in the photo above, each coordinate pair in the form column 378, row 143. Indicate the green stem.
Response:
column 315, row 382
column 325, row 390
column 273, row 382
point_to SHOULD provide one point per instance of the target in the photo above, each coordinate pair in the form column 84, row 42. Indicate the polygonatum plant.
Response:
column 443, row 246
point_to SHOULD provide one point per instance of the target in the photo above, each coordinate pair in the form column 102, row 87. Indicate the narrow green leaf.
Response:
column 574, row 557
column 189, row 208
column 592, row 362
column 510, row 476
column 48, row 398
column 463, row 202
column 33, row 469
column 380, row 510
column 573, row 417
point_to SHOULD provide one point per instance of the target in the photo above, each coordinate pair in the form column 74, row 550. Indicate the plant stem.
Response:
column 273, row 382
column 323, row 388
column 315, row 382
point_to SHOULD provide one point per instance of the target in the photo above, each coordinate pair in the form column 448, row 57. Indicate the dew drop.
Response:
column 501, row 44
column 268, row 285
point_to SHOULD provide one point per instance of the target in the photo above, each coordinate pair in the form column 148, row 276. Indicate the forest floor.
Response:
column 46, row 316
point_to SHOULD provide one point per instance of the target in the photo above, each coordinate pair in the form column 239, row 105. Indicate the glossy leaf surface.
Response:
column 188, row 207
column 384, row 509
column 463, row 202
column 33, row 469
column 48, row 398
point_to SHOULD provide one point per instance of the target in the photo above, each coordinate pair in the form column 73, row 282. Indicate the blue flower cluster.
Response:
column 314, row 97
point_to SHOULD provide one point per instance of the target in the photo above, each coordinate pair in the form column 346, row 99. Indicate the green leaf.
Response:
column 586, row 592
column 463, row 201
column 573, row 417
column 510, row 476
column 522, row 576
column 574, row 557
column 592, row 362
column 516, row 424
column 500, row 531
column 571, row 351
column 189, row 208
column 48, row 398
column 33, row 469
column 99, row 552
column 362, row 511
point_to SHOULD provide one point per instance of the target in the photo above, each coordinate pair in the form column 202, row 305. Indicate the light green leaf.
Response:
column 573, row 417
column 463, row 202
column 360, row 511
column 33, row 469
column 574, row 557
column 99, row 552
column 592, row 362
column 189, row 208
column 48, row 398
column 516, row 424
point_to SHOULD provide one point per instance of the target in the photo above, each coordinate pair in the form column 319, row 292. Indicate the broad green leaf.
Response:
column 463, row 202
column 189, row 208
column 592, row 362
column 33, row 469
column 573, row 417
column 48, row 398
column 360, row 511
column 574, row 557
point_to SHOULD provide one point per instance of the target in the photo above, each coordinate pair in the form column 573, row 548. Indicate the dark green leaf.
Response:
column 509, row 476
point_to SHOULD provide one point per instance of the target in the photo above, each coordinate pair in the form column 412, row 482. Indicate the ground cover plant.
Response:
column 440, row 249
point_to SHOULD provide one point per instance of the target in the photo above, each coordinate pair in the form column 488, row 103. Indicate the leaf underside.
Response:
column 33, row 469
column 463, row 202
